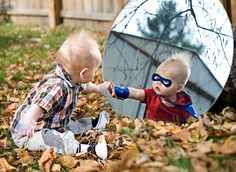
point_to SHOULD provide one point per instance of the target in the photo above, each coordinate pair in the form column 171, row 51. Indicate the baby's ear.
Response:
column 82, row 72
column 180, row 88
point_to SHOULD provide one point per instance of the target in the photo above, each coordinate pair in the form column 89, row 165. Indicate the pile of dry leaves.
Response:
column 135, row 145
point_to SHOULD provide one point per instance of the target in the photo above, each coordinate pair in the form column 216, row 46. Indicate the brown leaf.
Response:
column 11, row 108
column 183, row 135
column 68, row 161
column 87, row 165
column 80, row 103
column 208, row 147
column 14, row 99
column 46, row 160
column 116, row 154
column 229, row 146
column 199, row 130
column 4, row 166
column 110, row 136
column 128, row 159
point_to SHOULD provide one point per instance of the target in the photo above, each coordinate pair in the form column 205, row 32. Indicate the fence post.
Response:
column 233, row 12
column 54, row 13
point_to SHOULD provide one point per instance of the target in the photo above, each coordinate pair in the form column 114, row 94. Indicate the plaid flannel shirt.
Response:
column 57, row 94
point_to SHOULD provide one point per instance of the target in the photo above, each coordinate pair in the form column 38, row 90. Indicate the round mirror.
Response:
column 146, row 32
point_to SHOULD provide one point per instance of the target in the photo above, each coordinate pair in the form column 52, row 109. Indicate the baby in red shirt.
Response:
column 165, row 101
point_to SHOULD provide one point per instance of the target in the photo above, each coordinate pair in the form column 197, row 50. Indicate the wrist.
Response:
column 121, row 92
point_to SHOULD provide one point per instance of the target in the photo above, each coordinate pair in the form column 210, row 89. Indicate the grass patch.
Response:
column 35, row 165
column 17, row 76
column 183, row 163
column 2, row 76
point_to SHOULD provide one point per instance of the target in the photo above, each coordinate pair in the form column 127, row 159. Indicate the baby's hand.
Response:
column 105, row 87
column 25, row 128
column 112, row 90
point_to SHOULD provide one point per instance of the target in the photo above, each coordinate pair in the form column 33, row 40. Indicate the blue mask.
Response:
column 166, row 82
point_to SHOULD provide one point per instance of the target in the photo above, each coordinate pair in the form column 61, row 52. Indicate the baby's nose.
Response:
column 157, row 82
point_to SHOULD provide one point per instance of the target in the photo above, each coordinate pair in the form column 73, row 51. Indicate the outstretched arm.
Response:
column 100, row 88
column 128, row 92
column 137, row 94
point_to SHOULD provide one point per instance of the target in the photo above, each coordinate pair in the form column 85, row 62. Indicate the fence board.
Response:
column 97, row 5
column 88, row 6
column 107, row 6
column 27, row 12
column 88, row 16
column 233, row 12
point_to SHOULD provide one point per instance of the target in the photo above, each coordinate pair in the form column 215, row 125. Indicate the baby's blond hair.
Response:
column 179, row 65
column 78, row 51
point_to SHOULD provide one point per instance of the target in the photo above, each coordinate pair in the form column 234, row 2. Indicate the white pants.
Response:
column 65, row 143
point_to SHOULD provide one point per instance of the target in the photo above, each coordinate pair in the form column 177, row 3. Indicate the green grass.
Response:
column 2, row 76
column 183, row 163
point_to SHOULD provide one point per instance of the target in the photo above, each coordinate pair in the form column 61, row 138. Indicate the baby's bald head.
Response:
column 177, row 66
column 79, row 51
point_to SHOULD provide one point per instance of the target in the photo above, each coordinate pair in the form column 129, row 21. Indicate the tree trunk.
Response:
column 228, row 95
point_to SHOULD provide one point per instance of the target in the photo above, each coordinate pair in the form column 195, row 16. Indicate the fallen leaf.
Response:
column 11, row 108
column 4, row 166
column 68, row 161
column 229, row 146
column 154, row 164
column 24, row 157
column 46, row 160
column 87, row 165
column 14, row 99
column 116, row 154
column 56, row 168
column 183, row 135
column 80, row 103
column 208, row 147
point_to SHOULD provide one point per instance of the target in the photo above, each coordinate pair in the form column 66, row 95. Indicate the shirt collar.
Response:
column 60, row 71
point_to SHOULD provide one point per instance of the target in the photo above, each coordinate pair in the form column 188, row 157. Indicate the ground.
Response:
column 27, row 53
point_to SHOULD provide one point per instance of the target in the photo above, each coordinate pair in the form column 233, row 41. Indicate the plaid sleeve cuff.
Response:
column 49, row 97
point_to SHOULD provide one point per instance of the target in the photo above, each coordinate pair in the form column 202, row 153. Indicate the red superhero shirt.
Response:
column 156, row 110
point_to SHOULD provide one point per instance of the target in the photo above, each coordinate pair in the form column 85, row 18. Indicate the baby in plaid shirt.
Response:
column 43, row 120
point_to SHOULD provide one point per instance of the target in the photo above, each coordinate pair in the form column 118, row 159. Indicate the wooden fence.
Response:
column 92, row 14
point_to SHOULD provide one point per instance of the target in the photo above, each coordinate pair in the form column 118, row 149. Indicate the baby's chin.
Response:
column 157, row 90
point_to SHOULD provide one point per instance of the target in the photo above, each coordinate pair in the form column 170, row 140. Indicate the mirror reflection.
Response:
column 146, row 32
